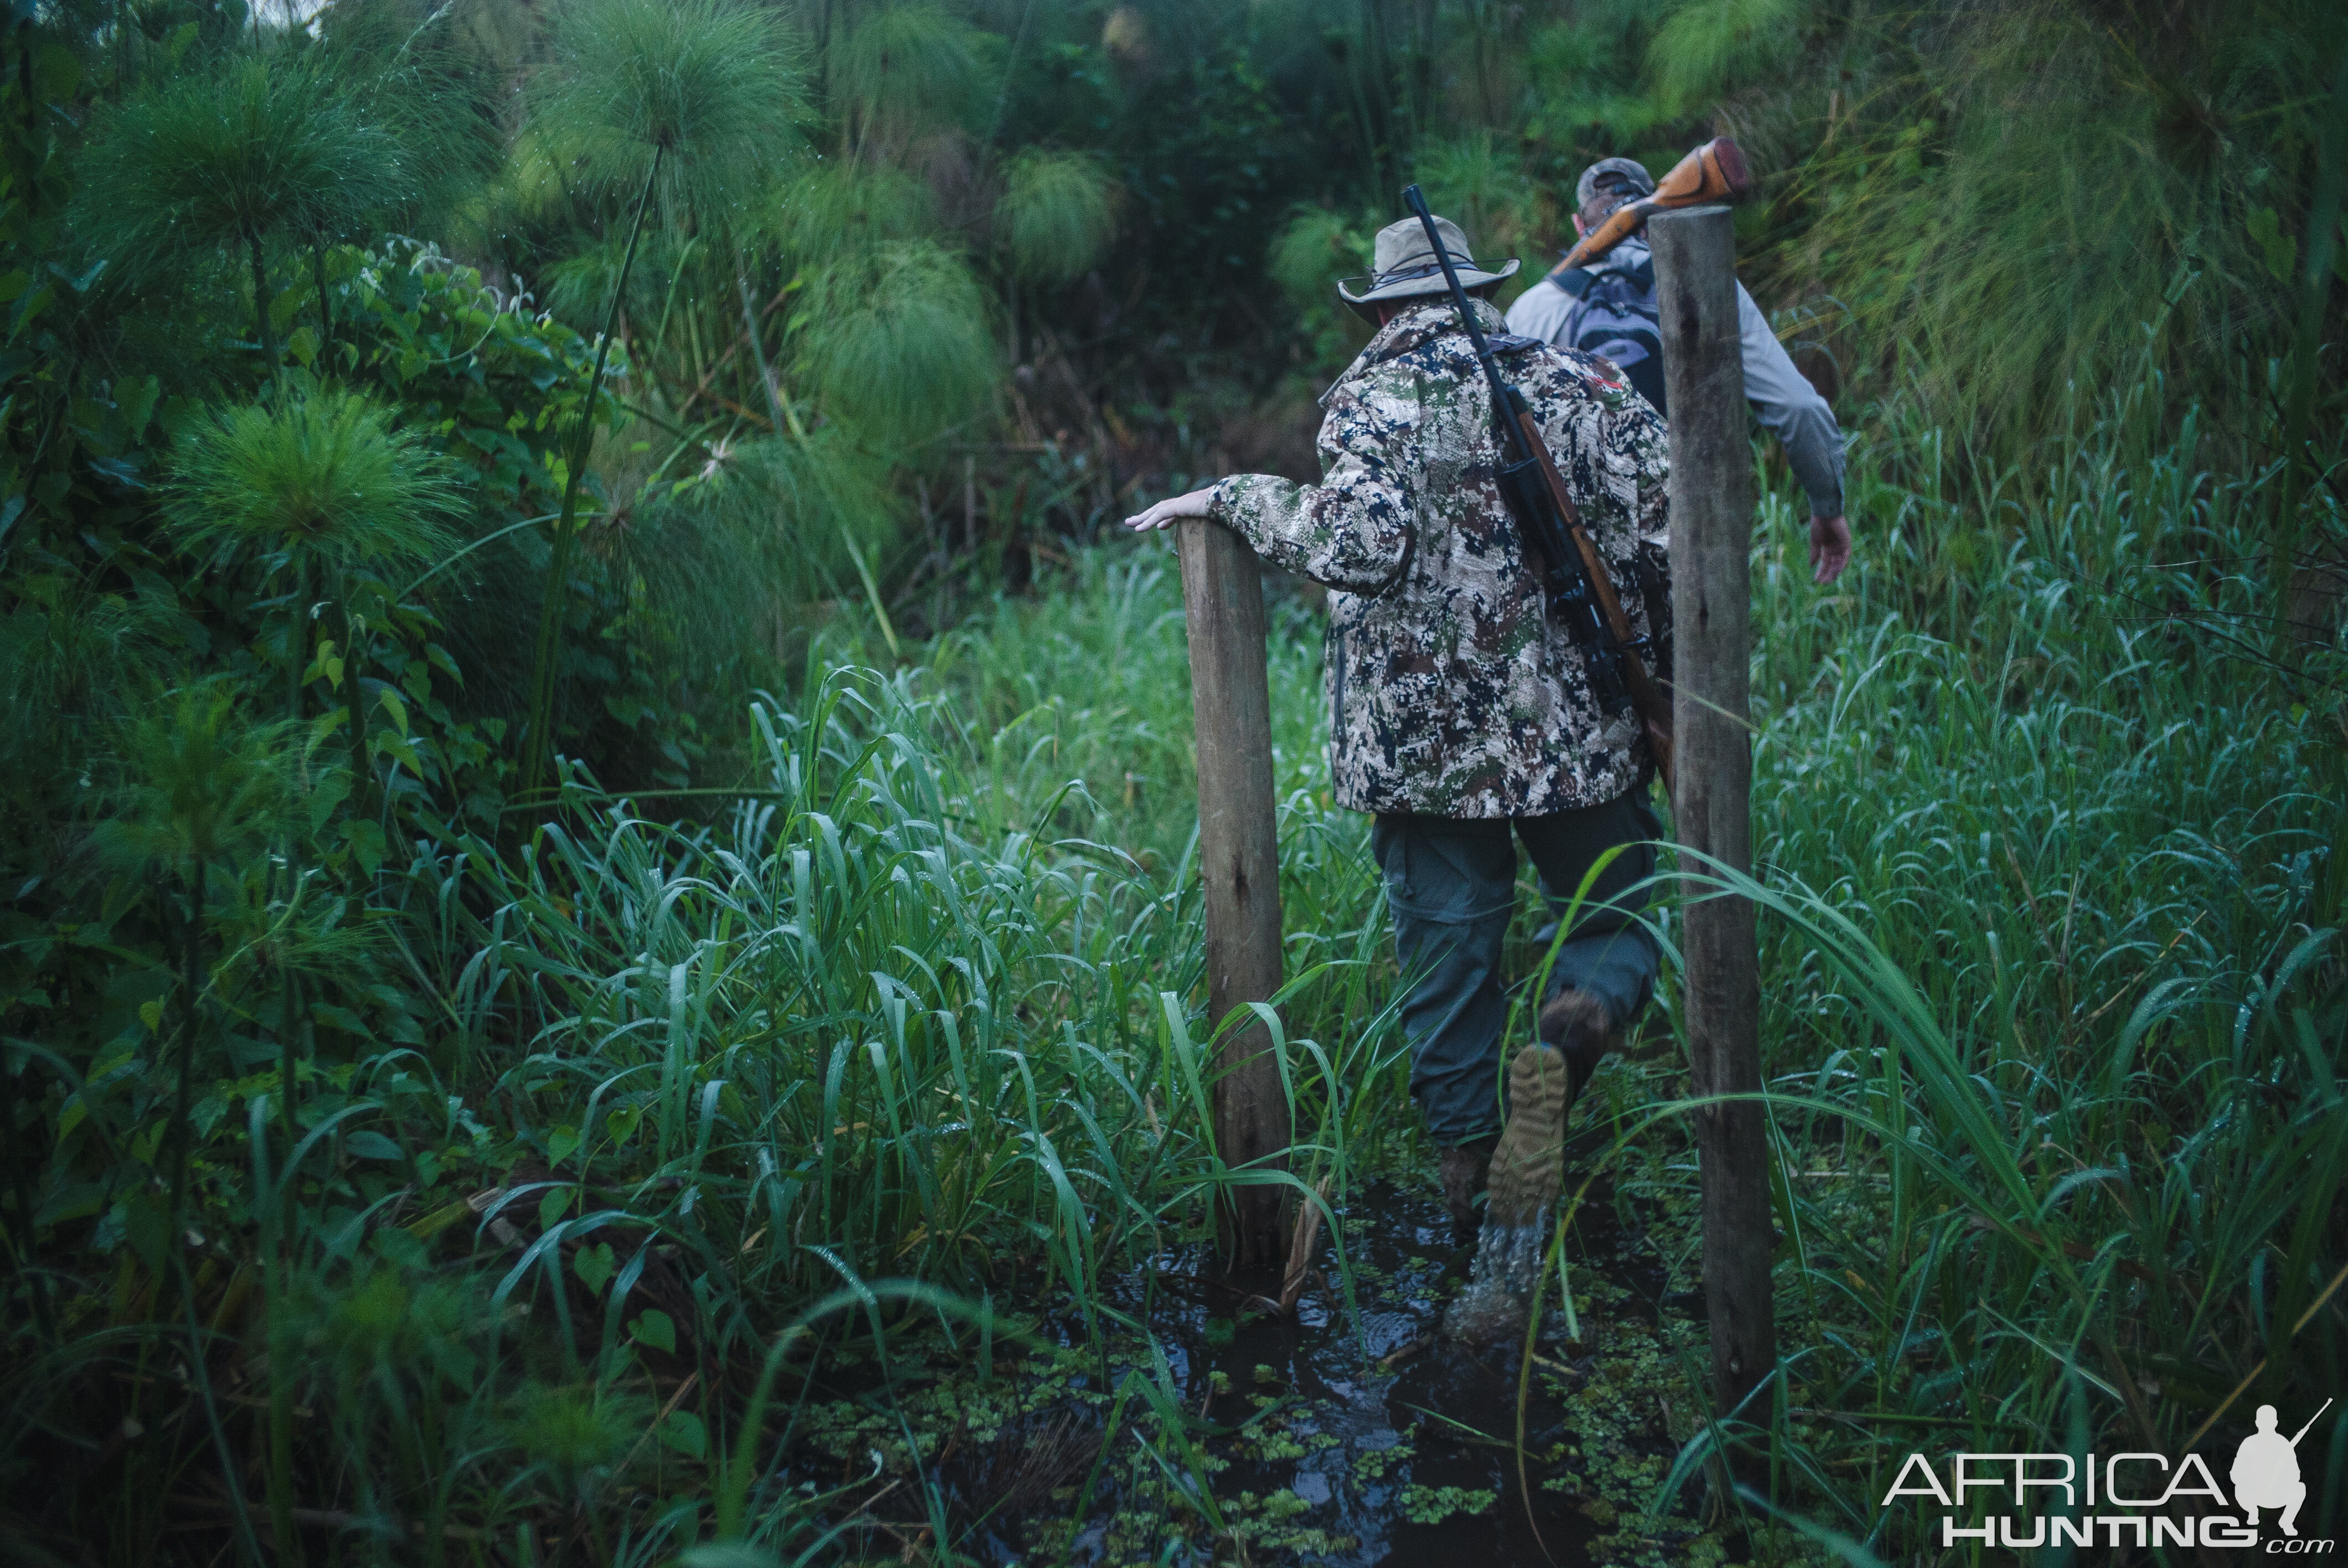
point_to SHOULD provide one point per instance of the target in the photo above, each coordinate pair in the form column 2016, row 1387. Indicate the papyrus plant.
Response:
column 261, row 149
column 687, row 105
column 315, row 485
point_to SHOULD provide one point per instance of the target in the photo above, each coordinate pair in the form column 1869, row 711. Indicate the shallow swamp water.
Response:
column 1348, row 1435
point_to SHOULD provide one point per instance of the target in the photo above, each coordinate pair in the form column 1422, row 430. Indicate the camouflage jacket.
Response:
column 1452, row 692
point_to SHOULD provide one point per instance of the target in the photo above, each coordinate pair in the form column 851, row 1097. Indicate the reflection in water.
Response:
column 1360, row 1433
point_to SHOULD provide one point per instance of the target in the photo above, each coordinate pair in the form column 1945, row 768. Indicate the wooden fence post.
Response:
column 1712, row 506
column 1239, row 857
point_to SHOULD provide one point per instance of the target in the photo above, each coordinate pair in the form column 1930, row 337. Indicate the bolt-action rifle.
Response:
column 1575, row 584
column 1713, row 172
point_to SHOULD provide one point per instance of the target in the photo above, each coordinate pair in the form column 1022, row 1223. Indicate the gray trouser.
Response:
column 1452, row 885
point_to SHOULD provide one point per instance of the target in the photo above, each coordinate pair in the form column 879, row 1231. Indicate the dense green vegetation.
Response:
column 598, row 921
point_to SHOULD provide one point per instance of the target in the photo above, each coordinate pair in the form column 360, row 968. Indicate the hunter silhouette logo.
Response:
column 2266, row 1471
column 2136, row 1500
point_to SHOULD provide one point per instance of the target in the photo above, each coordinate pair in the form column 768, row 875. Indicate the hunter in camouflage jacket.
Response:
column 1452, row 693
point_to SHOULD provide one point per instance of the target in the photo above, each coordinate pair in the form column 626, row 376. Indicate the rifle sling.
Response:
column 1654, row 708
column 1602, row 580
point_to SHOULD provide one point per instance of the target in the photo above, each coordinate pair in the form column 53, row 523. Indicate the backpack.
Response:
column 1615, row 313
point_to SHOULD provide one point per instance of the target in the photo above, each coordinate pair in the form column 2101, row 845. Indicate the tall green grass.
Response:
column 890, row 1026
column 2053, row 1003
column 2050, row 834
column 890, row 1019
column 898, row 1049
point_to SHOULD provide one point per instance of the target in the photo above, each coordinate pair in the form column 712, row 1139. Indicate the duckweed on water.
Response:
column 1434, row 1504
column 1374, row 1464
column 1340, row 1437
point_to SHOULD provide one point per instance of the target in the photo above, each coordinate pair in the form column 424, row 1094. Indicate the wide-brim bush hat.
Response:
column 1404, row 265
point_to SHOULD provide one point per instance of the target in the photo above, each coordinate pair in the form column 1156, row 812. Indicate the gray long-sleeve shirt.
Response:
column 1781, row 397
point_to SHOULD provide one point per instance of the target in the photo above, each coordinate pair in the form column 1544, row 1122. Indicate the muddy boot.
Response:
column 1577, row 1024
column 1464, row 1169
column 1543, row 1083
column 1531, row 1154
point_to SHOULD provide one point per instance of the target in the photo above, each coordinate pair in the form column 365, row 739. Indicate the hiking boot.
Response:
column 1579, row 1026
column 1464, row 1169
column 1527, row 1166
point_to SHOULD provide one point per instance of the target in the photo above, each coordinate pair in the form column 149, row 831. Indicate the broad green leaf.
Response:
column 595, row 1266
column 653, row 1330
column 684, row 1431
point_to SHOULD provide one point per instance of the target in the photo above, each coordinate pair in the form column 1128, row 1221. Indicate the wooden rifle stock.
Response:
column 1647, row 699
column 1713, row 172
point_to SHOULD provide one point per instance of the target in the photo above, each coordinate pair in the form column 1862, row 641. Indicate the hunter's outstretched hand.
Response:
column 1166, row 511
column 1830, row 547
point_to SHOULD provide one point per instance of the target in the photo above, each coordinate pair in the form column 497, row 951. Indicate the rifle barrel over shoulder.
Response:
column 1713, row 172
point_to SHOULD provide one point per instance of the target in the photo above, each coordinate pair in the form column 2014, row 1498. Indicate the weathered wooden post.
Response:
column 1711, row 531
column 1239, row 857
